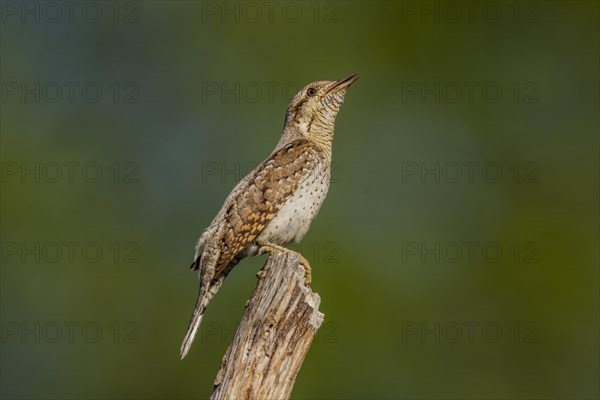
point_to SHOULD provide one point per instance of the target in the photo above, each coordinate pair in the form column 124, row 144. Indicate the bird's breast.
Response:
column 293, row 219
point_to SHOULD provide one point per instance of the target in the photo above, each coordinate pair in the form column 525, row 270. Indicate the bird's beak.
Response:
column 343, row 83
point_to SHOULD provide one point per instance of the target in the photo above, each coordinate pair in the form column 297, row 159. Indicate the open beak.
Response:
column 343, row 83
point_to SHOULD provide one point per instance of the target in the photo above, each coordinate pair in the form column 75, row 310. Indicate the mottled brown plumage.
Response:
column 276, row 202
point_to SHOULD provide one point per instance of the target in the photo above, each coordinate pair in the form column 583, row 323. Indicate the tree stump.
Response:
column 273, row 338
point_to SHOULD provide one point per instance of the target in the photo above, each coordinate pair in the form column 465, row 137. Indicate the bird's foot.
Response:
column 270, row 248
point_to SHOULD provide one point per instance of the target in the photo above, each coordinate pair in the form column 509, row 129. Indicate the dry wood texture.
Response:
column 280, row 323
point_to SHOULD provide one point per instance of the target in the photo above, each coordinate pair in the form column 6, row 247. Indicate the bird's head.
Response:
column 312, row 111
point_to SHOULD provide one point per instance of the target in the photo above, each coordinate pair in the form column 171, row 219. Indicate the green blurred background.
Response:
column 95, row 290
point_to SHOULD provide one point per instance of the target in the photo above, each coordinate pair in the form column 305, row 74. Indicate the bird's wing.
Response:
column 267, row 190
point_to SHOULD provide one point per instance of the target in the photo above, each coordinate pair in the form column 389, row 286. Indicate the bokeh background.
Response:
column 456, row 254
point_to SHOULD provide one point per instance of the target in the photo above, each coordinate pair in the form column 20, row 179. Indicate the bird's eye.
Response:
column 311, row 91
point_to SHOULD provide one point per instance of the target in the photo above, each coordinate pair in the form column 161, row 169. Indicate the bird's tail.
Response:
column 193, row 327
column 203, row 299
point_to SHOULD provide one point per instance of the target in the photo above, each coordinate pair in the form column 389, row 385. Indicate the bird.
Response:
column 276, row 202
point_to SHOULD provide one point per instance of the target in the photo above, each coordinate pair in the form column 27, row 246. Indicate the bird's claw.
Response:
column 303, row 261
column 264, row 249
